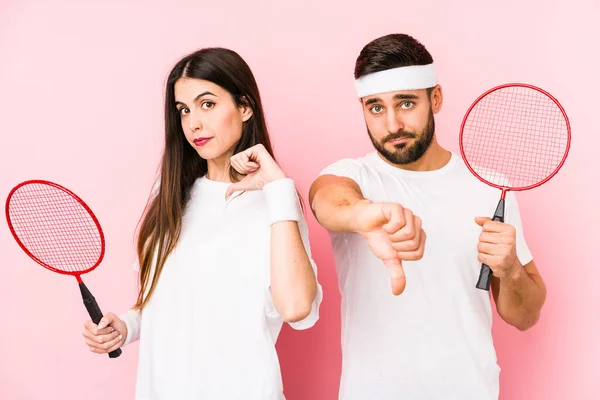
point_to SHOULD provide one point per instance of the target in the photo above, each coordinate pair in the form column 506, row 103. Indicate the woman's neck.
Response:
column 218, row 168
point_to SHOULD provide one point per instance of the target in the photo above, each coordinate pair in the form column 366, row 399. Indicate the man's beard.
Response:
column 406, row 153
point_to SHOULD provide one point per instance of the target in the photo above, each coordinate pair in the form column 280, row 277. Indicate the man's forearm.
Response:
column 333, row 202
column 520, row 298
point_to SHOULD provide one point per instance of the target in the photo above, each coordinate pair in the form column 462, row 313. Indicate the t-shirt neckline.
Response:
column 449, row 166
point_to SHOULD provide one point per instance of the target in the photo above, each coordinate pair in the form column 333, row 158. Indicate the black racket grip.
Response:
column 95, row 313
column 485, row 278
column 485, row 274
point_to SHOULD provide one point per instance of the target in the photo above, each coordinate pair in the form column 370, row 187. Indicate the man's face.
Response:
column 400, row 124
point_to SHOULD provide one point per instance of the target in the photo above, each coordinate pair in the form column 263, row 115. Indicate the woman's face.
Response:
column 211, row 121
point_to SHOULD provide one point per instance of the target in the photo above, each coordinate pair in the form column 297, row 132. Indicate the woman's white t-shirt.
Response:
column 210, row 327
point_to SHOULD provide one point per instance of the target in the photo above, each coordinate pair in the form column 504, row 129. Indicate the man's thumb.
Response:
column 481, row 220
column 397, row 277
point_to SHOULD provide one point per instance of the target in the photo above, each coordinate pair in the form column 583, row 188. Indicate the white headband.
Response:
column 403, row 78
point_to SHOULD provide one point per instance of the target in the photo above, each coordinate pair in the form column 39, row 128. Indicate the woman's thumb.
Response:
column 106, row 320
column 244, row 184
column 234, row 187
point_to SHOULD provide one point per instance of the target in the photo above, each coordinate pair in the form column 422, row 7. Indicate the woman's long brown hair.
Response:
column 181, row 165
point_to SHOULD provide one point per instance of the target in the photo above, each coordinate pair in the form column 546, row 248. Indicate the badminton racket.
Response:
column 514, row 137
column 60, row 232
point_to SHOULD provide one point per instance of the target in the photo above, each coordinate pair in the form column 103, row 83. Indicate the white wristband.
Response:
column 282, row 200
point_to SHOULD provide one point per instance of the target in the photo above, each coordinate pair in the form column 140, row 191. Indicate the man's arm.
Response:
column 520, row 296
column 518, row 290
column 333, row 199
column 392, row 232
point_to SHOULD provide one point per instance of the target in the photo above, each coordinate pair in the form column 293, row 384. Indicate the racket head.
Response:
column 55, row 227
column 515, row 137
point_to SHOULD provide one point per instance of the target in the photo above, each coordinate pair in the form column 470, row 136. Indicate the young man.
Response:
column 415, row 208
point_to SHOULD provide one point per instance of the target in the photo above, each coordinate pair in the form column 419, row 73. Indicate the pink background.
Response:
column 81, row 104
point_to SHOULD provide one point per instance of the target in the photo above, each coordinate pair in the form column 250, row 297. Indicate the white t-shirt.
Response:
column 210, row 328
column 434, row 341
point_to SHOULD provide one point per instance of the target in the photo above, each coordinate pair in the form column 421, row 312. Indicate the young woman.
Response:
column 223, row 251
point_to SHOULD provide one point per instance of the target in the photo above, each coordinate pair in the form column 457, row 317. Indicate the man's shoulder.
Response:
column 348, row 163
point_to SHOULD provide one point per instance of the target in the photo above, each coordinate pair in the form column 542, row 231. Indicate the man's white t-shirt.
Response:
column 209, row 330
column 434, row 341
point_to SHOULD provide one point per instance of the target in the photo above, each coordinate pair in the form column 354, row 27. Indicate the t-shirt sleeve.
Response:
column 346, row 167
column 155, row 188
column 133, row 321
column 513, row 217
column 132, row 318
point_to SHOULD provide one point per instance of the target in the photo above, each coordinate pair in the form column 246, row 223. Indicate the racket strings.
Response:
column 515, row 137
column 55, row 228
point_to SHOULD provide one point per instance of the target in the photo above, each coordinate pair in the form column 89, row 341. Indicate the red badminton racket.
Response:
column 514, row 137
column 59, row 231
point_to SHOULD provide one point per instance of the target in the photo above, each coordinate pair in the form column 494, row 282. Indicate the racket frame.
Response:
column 81, row 202
column 506, row 188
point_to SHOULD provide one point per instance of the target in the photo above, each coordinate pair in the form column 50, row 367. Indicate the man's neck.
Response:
column 435, row 157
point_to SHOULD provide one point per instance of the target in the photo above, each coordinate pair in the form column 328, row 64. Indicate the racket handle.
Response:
column 485, row 274
column 485, row 277
column 95, row 313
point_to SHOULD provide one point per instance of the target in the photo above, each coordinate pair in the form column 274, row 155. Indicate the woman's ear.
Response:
column 245, row 109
